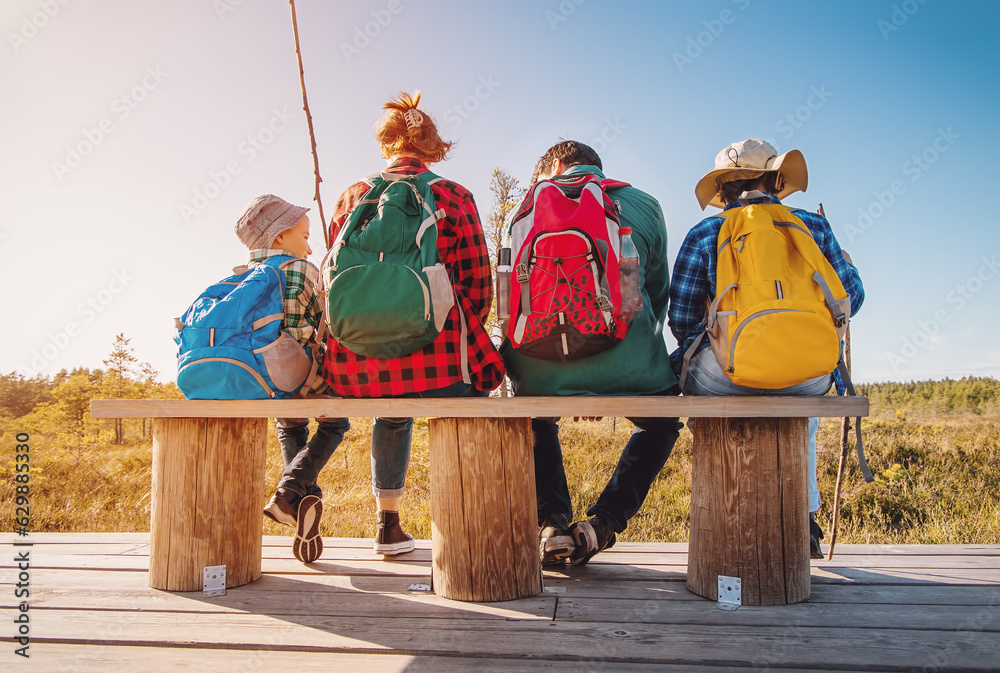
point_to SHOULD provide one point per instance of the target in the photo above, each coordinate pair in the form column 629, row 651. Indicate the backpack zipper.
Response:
column 427, row 295
column 258, row 377
column 736, row 334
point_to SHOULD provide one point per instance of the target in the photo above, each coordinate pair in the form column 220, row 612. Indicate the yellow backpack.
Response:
column 780, row 311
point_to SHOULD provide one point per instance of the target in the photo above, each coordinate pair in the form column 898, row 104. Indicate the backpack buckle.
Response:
column 521, row 271
column 603, row 304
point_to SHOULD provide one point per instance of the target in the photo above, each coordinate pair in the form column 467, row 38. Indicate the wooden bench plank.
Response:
column 489, row 407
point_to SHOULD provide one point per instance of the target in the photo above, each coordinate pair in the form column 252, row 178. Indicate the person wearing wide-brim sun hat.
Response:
column 746, row 172
column 751, row 159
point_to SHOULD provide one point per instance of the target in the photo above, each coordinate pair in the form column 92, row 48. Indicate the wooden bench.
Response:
column 748, row 507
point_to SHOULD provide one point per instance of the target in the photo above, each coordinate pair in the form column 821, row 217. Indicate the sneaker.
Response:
column 308, row 544
column 281, row 509
column 555, row 544
column 389, row 536
column 591, row 536
column 815, row 535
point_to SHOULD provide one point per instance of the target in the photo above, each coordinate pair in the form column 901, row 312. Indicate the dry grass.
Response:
column 938, row 482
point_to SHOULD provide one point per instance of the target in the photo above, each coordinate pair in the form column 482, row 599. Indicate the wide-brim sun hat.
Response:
column 750, row 159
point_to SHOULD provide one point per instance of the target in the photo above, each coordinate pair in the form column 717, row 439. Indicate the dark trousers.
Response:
column 642, row 459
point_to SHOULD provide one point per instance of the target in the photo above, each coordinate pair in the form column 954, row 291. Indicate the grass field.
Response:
column 938, row 481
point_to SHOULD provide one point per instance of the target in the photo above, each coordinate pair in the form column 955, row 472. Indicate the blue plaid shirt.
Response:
column 693, row 279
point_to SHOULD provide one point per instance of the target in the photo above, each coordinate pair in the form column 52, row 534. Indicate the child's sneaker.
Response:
column 308, row 544
column 281, row 508
column 815, row 535
column 555, row 544
column 389, row 536
column 591, row 536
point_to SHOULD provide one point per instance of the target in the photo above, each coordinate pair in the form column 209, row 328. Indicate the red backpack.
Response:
column 561, row 259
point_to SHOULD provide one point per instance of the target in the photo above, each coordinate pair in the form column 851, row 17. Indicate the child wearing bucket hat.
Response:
column 746, row 173
column 272, row 227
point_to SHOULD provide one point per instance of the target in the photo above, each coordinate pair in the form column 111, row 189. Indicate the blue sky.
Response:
column 135, row 133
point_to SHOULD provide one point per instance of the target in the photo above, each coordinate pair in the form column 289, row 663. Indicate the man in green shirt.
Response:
column 638, row 365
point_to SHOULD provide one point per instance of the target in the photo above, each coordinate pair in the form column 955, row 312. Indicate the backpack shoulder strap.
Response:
column 278, row 261
column 607, row 183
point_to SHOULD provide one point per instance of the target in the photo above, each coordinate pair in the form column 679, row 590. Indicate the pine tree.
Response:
column 119, row 382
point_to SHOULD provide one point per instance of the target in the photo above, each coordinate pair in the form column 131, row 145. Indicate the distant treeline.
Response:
column 19, row 395
column 59, row 406
column 968, row 395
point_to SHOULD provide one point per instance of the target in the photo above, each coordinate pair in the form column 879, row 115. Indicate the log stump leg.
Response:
column 205, row 501
column 484, row 522
column 749, row 508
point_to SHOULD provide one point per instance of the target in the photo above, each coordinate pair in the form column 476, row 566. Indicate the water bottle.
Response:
column 503, row 285
column 630, row 281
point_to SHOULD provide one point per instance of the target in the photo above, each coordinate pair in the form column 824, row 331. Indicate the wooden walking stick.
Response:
column 845, row 447
column 309, row 123
column 844, row 444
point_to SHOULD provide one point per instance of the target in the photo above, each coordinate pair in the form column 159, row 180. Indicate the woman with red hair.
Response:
column 462, row 360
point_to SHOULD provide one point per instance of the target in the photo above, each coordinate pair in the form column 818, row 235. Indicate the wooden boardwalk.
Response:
column 873, row 608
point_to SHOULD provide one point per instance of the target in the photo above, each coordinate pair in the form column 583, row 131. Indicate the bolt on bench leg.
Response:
column 206, row 500
column 749, row 508
column 484, row 521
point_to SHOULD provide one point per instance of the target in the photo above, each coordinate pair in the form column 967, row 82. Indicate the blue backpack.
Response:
column 230, row 345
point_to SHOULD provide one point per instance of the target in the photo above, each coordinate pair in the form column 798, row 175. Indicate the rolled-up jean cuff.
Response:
column 387, row 492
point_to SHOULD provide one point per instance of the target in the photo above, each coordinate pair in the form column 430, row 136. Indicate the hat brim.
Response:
column 791, row 165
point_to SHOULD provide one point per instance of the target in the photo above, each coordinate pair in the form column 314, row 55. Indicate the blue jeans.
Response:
column 391, row 442
column 642, row 459
column 305, row 457
column 705, row 377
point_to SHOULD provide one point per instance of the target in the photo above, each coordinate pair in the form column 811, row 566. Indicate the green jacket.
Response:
column 640, row 363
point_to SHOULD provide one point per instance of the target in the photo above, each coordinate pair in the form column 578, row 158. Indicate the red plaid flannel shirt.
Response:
column 462, row 248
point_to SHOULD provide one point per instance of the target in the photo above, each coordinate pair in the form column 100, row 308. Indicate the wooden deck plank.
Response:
column 855, row 561
column 593, row 572
column 787, row 645
column 98, row 538
column 289, row 597
column 655, row 611
column 111, row 659
column 277, row 552
column 489, row 407
column 870, row 594
column 68, row 581
column 603, row 572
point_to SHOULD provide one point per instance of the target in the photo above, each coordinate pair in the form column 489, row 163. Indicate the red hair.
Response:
column 403, row 129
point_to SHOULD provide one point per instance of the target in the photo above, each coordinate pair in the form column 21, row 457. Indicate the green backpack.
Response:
column 387, row 292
